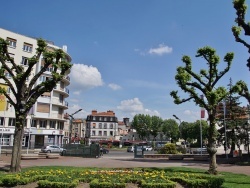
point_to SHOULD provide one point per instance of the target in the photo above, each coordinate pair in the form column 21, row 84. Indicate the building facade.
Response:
column 101, row 126
column 45, row 122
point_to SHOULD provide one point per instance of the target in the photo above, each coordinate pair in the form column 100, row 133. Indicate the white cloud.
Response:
column 131, row 105
column 160, row 50
column 76, row 92
column 85, row 77
column 114, row 86
column 152, row 112
column 135, row 106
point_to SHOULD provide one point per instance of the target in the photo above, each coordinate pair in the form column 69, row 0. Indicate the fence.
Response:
column 92, row 151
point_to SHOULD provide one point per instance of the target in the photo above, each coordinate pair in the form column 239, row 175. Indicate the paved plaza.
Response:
column 122, row 162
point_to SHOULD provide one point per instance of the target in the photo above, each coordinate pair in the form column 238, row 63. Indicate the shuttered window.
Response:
column 43, row 107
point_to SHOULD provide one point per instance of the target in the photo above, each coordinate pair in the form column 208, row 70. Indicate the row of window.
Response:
column 100, row 118
column 101, row 126
column 36, row 123
column 101, row 133
column 26, row 46
column 5, row 140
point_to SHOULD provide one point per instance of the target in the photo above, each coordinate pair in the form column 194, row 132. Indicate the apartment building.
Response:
column 45, row 122
column 101, row 126
column 78, row 130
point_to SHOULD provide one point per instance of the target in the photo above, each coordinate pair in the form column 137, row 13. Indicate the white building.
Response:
column 101, row 126
column 45, row 124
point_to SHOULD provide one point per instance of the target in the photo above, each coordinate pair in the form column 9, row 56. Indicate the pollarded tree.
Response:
column 26, row 93
column 241, row 8
column 205, row 83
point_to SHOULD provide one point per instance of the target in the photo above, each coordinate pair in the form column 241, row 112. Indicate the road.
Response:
column 123, row 154
column 121, row 159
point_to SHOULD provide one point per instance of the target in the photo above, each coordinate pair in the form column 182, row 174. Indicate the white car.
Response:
column 149, row 148
column 53, row 149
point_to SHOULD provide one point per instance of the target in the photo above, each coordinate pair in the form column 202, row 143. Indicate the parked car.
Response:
column 53, row 149
column 130, row 149
column 149, row 148
column 105, row 151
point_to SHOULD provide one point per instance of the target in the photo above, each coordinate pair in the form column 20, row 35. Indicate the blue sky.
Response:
column 125, row 53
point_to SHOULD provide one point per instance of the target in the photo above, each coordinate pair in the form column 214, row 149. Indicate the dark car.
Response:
column 105, row 151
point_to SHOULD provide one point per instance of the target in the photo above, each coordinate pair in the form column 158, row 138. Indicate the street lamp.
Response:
column 179, row 123
column 71, row 122
column 177, row 119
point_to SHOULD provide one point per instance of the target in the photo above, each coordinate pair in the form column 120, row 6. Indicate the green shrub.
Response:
column 157, row 185
column 215, row 181
column 48, row 184
column 168, row 148
column 11, row 181
column 181, row 149
column 197, row 183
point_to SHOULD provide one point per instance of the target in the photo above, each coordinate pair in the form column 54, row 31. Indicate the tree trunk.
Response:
column 212, row 146
column 17, row 144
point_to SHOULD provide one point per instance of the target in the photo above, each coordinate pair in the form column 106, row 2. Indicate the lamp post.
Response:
column 29, row 131
column 248, row 132
column 177, row 119
column 224, row 117
column 179, row 123
column 71, row 122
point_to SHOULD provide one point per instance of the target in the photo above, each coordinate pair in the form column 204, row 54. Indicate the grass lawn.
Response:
column 157, row 175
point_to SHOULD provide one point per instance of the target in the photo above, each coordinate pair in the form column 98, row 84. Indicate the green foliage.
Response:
column 96, row 184
column 49, row 184
column 181, row 149
column 145, row 176
column 241, row 8
column 146, row 125
column 11, row 181
column 168, row 148
column 170, row 129
column 157, row 185
column 205, row 83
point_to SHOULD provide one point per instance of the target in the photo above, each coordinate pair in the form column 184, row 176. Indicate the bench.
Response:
column 52, row 155
column 42, row 155
column 175, row 157
column 29, row 156
column 156, row 155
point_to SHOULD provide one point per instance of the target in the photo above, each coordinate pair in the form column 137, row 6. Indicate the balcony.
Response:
column 66, row 80
column 61, row 103
column 56, row 116
column 64, row 91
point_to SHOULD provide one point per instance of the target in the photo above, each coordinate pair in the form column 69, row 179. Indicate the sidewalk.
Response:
column 128, row 162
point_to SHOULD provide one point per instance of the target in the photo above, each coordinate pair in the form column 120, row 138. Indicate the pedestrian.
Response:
column 101, row 151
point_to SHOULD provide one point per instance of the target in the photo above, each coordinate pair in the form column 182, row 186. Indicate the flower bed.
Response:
column 116, row 178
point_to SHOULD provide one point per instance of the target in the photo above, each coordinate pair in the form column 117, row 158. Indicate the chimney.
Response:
column 94, row 112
